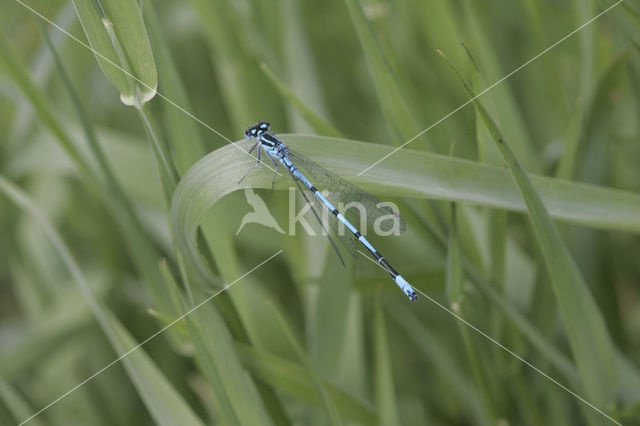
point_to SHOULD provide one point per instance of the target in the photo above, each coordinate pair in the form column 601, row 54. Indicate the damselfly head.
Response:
column 257, row 129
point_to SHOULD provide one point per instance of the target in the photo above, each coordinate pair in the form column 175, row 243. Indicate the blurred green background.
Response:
column 98, row 227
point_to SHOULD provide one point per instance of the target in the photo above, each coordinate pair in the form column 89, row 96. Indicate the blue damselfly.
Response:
column 279, row 153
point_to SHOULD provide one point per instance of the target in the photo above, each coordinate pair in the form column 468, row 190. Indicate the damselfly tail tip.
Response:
column 406, row 288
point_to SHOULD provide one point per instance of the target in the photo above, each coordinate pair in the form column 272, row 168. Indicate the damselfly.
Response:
column 338, row 188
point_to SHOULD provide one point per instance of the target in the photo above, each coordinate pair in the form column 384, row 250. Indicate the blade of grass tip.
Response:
column 139, row 100
column 16, row 405
column 164, row 403
column 117, row 35
column 84, row 119
column 115, row 31
column 385, row 394
column 294, row 380
column 487, row 152
column 317, row 123
column 398, row 115
column 142, row 252
column 496, row 220
column 327, row 401
column 505, row 99
column 590, row 342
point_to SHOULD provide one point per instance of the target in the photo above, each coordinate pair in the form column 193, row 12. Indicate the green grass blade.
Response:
column 21, row 77
column 235, row 394
column 116, row 32
column 166, row 168
column 142, row 252
column 293, row 379
column 298, row 63
column 35, row 342
column 455, row 272
column 16, row 405
column 239, row 87
column 317, row 123
column 384, row 388
column 324, row 395
column 160, row 397
column 399, row 116
column 594, row 113
column 522, row 323
column 332, row 309
column 444, row 363
column 42, row 71
column 590, row 342
column 164, row 402
column 182, row 132
column 503, row 96
column 454, row 288
column 406, row 173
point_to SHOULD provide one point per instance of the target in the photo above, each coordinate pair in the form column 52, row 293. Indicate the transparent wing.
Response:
column 338, row 230
column 359, row 204
column 310, row 198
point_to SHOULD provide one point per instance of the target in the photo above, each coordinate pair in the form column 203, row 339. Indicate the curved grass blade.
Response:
column 116, row 31
column 407, row 173
column 590, row 342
